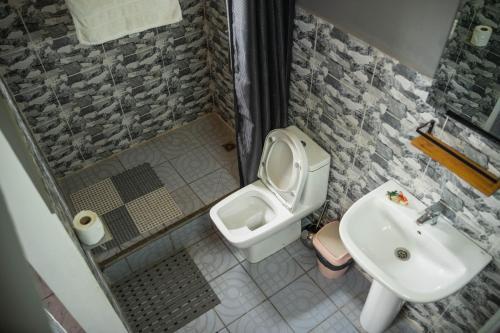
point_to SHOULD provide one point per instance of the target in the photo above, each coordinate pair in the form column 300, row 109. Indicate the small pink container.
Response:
column 333, row 258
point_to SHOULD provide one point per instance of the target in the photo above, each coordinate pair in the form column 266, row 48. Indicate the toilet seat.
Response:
column 283, row 166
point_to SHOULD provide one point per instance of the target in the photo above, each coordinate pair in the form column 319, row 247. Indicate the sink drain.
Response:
column 402, row 254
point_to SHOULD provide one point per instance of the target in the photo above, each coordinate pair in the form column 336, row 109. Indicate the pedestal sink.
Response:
column 408, row 262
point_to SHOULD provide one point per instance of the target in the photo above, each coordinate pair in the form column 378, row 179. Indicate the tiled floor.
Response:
column 283, row 293
column 192, row 169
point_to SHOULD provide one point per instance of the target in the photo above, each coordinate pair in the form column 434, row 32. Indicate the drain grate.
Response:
column 402, row 254
column 165, row 296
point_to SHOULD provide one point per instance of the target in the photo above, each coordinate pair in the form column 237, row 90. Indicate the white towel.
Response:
column 99, row 21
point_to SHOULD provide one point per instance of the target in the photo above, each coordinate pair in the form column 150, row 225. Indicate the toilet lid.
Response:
column 283, row 166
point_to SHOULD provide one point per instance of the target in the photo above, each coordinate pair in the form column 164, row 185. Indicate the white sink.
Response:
column 441, row 259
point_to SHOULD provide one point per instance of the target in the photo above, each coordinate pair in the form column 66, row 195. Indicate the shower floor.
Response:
column 156, row 185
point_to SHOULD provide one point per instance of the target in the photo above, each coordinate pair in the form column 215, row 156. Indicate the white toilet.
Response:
column 264, row 217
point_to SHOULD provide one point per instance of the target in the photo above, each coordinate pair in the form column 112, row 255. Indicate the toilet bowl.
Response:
column 263, row 217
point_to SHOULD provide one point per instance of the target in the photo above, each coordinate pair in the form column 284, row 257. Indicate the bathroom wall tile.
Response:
column 12, row 31
column 337, row 323
column 65, row 55
column 344, row 57
column 195, row 164
column 150, row 253
column 263, row 318
column 303, row 304
column 212, row 257
column 344, row 289
column 237, row 293
column 112, row 95
column 21, row 69
column 186, row 200
column 192, row 232
column 304, row 32
column 304, row 256
column 208, row 322
column 274, row 272
column 139, row 67
column 49, row 19
column 214, row 186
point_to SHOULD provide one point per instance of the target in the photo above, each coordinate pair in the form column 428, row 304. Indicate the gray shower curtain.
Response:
column 261, row 47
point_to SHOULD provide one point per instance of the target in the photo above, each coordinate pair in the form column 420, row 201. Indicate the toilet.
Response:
column 263, row 217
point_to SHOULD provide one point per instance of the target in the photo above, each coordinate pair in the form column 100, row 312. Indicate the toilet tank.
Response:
column 316, row 186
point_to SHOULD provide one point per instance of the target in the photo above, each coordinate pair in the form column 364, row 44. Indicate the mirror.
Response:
column 467, row 83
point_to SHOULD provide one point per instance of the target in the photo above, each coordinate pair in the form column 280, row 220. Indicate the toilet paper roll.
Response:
column 481, row 35
column 88, row 227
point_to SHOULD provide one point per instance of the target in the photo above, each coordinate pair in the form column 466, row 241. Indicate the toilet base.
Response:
column 273, row 243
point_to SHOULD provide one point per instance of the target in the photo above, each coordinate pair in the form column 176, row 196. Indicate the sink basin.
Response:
column 409, row 262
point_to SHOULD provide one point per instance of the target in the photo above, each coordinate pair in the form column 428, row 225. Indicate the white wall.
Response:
column 50, row 251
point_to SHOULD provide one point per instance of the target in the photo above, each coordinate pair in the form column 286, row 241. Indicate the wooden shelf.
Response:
column 465, row 168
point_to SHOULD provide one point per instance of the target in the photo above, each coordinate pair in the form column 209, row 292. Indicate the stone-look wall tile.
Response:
column 12, row 32
column 219, row 60
column 104, row 98
column 467, row 75
column 363, row 107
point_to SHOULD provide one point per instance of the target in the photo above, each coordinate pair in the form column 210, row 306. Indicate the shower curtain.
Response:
column 261, row 50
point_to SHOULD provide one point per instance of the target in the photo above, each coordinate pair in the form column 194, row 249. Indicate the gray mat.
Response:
column 136, row 182
column 165, row 296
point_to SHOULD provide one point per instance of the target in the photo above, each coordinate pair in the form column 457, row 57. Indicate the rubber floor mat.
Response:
column 165, row 296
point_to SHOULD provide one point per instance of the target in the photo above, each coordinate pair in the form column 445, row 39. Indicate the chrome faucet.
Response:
column 431, row 214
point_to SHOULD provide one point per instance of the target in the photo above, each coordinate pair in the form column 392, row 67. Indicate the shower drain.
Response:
column 402, row 254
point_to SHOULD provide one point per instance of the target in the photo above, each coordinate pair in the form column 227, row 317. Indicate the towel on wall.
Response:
column 99, row 21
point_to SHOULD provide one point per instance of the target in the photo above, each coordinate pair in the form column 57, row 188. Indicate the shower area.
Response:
column 139, row 130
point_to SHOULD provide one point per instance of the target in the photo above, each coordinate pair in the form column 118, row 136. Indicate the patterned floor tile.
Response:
column 145, row 153
column 117, row 271
column 214, row 186
column 303, row 304
column 101, row 170
column 169, row 176
column 151, row 253
column 274, row 272
column 352, row 310
column 304, row 256
column 234, row 250
column 224, row 157
column 187, row 200
column 211, row 129
column 337, row 323
column 71, row 184
column 263, row 318
column 195, row 164
column 176, row 143
column 208, row 322
column 192, row 232
column 136, row 182
column 237, row 292
column 100, row 198
column 121, row 226
column 212, row 257
column 153, row 210
column 343, row 289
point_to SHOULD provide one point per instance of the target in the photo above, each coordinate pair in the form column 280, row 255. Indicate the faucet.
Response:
column 431, row 214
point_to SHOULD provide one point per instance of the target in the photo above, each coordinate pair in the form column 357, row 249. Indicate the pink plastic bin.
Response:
column 333, row 258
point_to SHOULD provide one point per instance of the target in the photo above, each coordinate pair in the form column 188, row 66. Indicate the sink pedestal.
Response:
column 380, row 309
